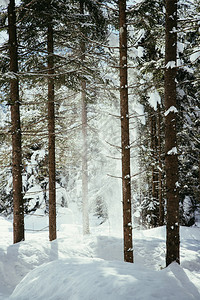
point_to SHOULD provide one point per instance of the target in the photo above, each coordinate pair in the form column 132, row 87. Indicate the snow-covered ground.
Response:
column 74, row 267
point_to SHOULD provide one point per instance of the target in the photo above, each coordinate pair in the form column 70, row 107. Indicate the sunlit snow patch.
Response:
column 83, row 279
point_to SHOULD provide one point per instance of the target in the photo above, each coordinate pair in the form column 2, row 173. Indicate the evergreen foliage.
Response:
column 96, row 29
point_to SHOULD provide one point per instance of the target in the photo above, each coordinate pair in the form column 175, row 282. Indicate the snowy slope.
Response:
column 100, row 279
column 73, row 267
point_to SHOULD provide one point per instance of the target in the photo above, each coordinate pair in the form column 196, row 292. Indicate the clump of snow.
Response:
column 4, row 3
column 195, row 56
column 137, row 52
column 154, row 98
column 2, row 117
column 180, row 47
column 140, row 51
column 113, row 40
column 171, row 109
column 136, row 214
column 171, row 64
column 172, row 151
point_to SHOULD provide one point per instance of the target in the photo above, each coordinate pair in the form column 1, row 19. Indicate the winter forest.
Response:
column 99, row 149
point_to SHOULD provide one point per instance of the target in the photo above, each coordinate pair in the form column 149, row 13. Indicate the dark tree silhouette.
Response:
column 125, row 144
column 171, row 159
column 18, row 206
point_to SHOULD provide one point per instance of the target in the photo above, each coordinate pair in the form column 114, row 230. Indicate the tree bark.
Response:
column 160, row 185
column 18, row 205
column 85, row 213
column 160, row 177
column 51, row 135
column 84, row 161
column 171, row 159
column 154, row 155
column 125, row 144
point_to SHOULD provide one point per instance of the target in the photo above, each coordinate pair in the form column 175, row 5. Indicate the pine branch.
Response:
column 114, row 176
column 117, row 147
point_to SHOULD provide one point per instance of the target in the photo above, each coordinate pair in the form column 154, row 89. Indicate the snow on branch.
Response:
column 154, row 98
column 173, row 151
column 4, row 3
column 171, row 64
column 172, row 109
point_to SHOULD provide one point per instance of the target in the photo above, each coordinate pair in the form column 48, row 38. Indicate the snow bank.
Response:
column 99, row 279
column 74, row 267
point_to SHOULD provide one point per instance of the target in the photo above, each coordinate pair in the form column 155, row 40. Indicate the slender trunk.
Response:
column 171, row 159
column 51, row 134
column 84, row 139
column 160, row 194
column 84, row 161
column 18, row 205
column 154, row 156
column 125, row 144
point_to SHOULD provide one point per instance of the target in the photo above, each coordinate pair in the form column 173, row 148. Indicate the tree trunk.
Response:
column 51, row 134
column 125, row 144
column 154, row 155
column 171, row 159
column 84, row 161
column 86, row 229
column 160, row 194
column 18, row 205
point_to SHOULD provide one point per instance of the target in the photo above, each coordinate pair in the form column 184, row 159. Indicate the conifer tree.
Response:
column 41, row 15
column 189, row 107
column 160, row 173
column 51, row 135
column 150, row 36
column 18, row 205
column 125, row 143
column 171, row 159
column 69, row 36
column 85, row 211
column 89, row 13
column 147, row 86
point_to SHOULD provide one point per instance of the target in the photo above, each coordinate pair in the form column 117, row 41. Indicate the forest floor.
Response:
column 77, row 267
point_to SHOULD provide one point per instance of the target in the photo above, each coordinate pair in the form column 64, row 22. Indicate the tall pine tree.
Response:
column 18, row 206
column 125, row 143
column 171, row 151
